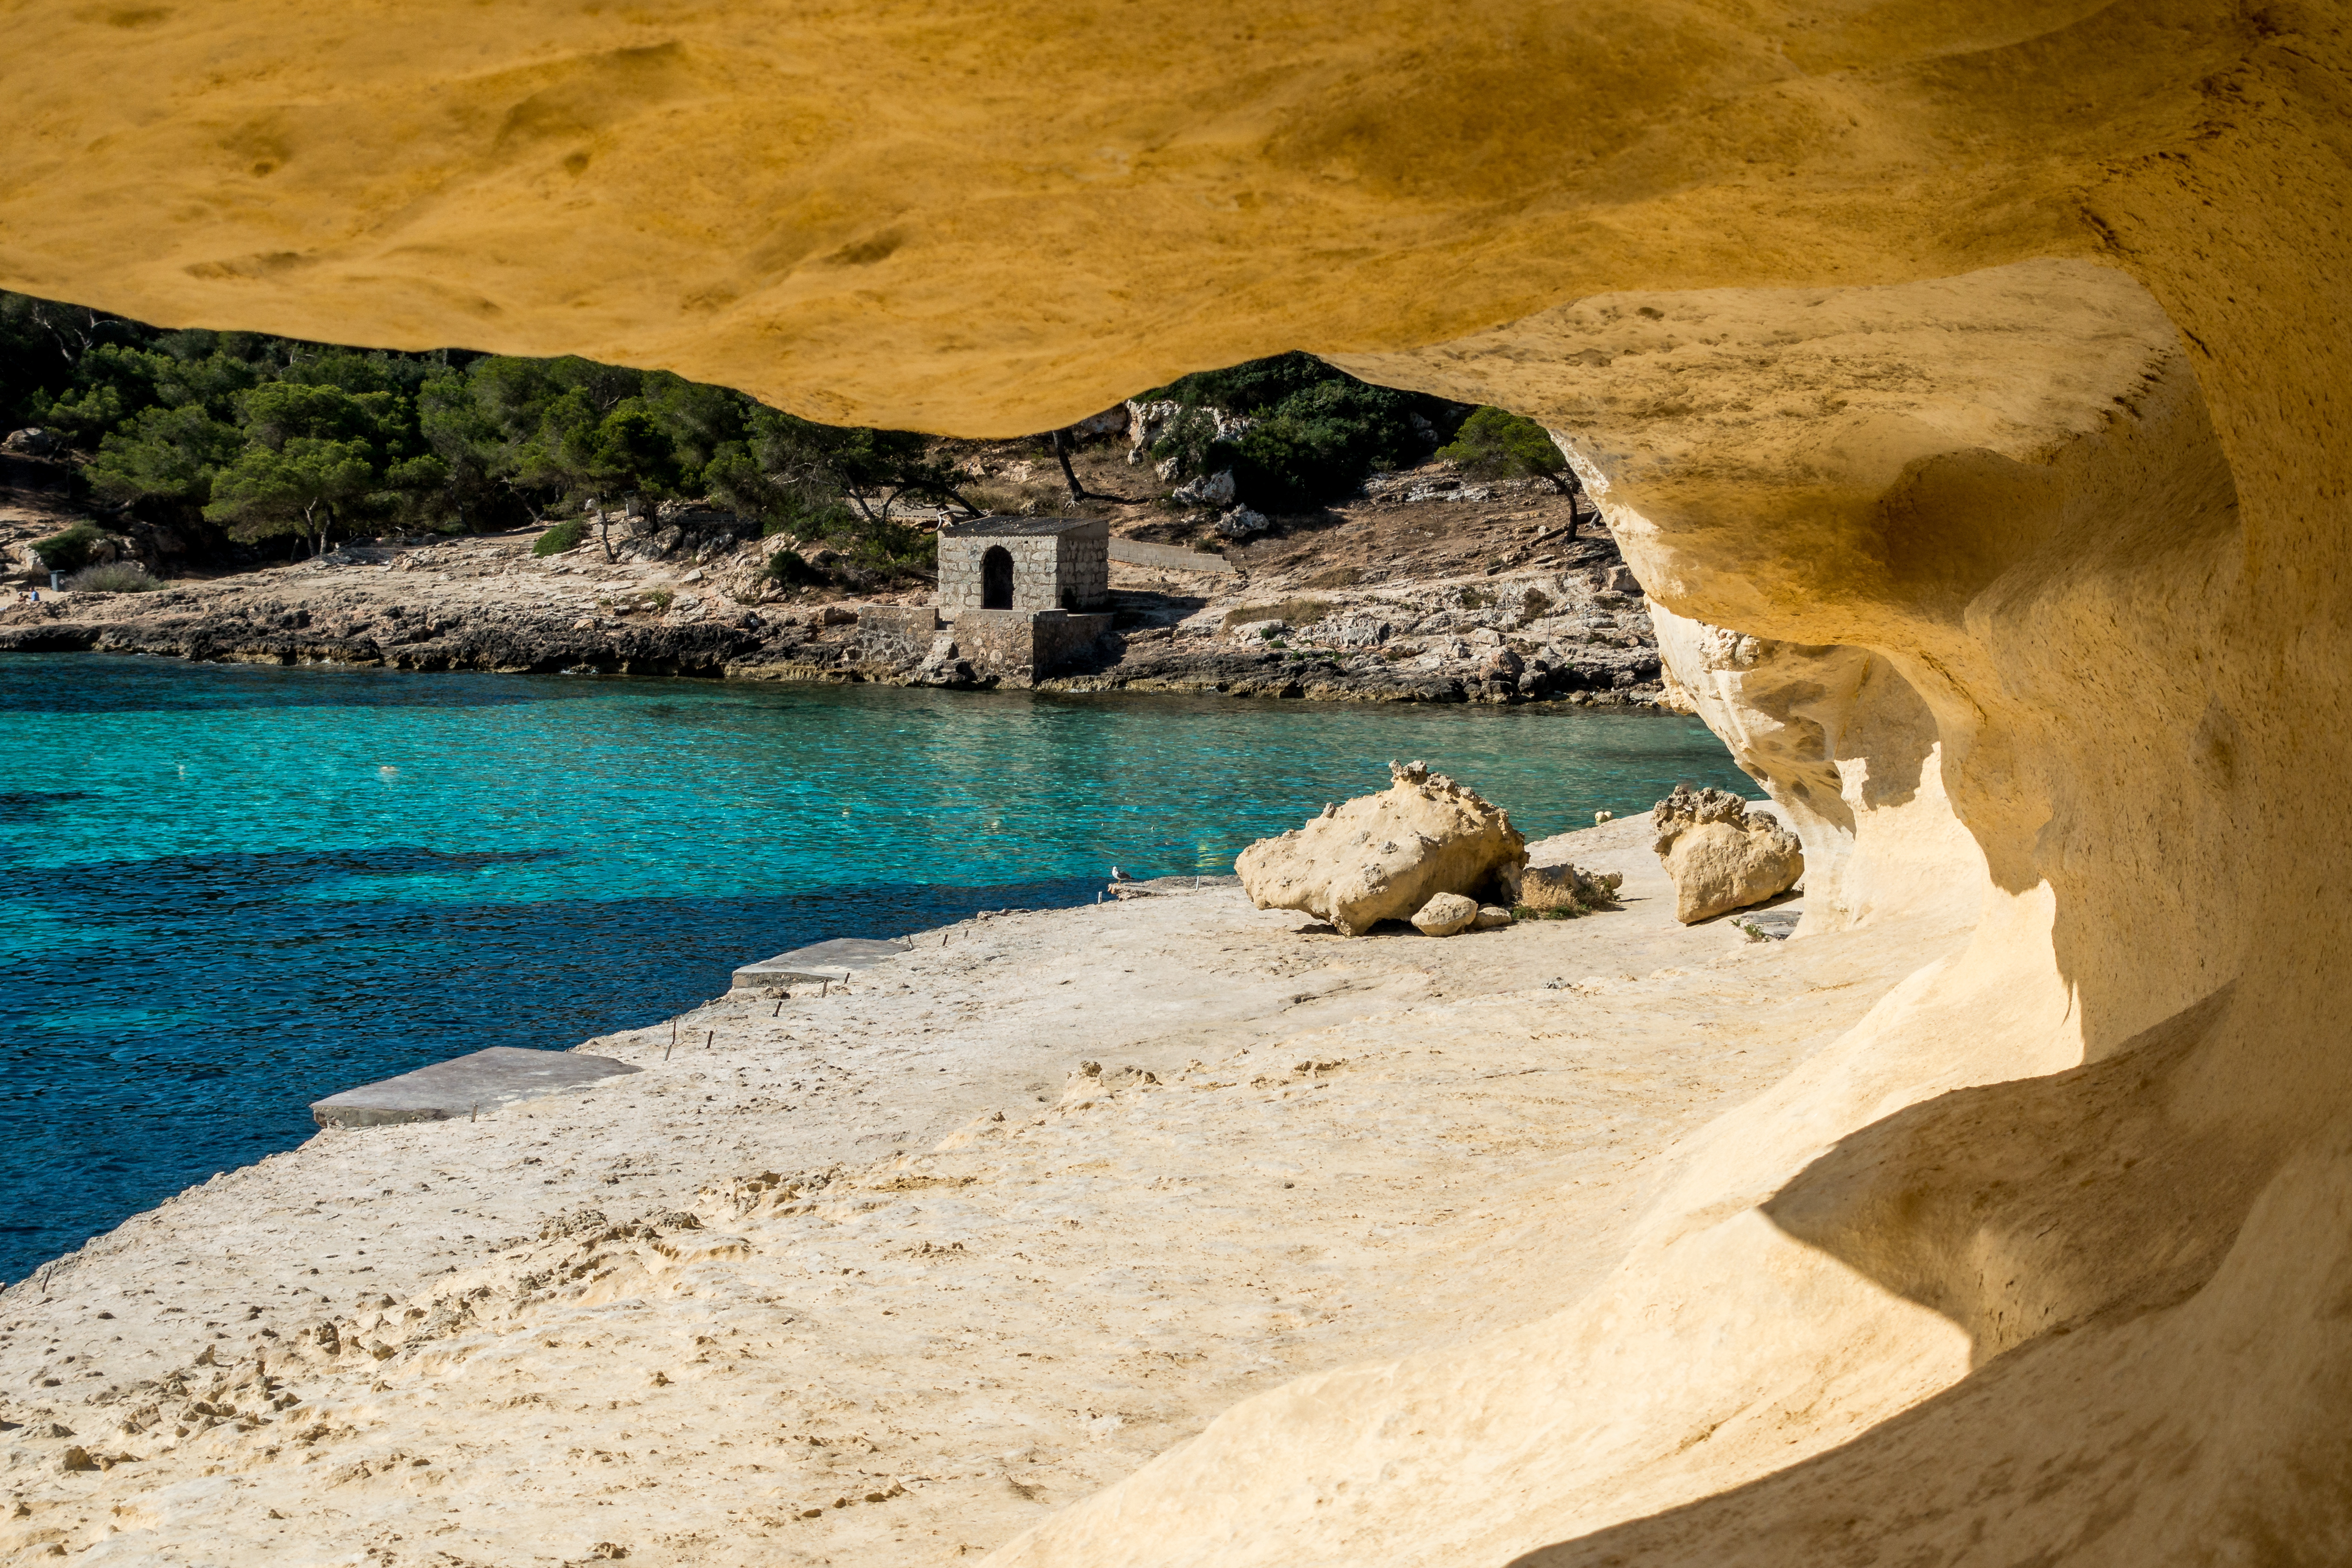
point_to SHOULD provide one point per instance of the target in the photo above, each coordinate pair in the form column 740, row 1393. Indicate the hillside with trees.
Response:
column 256, row 447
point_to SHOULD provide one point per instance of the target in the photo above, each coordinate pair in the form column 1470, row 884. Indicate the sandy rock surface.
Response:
column 884, row 1277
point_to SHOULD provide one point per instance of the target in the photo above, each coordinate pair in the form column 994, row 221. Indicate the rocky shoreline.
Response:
column 489, row 604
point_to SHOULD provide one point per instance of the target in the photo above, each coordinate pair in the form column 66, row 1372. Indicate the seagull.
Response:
column 1118, row 875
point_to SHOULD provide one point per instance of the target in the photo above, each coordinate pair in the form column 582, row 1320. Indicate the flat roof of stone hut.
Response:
column 1018, row 527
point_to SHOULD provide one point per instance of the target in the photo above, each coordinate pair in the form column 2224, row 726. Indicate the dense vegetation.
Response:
column 273, row 438
column 1315, row 434
column 291, row 444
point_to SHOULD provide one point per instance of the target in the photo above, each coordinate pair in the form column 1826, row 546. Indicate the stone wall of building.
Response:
column 1066, row 570
column 1061, row 641
column 1172, row 558
column 1017, row 648
column 1012, row 647
column 894, row 634
column 1084, row 581
column 1036, row 570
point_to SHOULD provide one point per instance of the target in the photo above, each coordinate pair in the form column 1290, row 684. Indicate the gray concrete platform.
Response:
column 830, row 961
column 462, row 1086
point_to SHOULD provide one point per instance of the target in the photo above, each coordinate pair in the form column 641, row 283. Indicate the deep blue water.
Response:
column 231, row 890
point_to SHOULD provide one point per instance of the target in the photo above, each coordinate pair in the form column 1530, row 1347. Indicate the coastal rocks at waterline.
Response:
column 1383, row 857
column 1445, row 914
column 943, row 666
column 1720, row 855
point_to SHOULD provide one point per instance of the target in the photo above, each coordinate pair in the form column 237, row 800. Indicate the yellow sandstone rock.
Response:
column 1720, row 855
column 1987, row 364
column 1384, row 856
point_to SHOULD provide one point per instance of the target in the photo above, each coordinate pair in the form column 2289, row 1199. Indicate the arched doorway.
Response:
column 996, row 579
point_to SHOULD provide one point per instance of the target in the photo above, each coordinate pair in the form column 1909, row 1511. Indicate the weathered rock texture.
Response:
column 1445, row 914
column 1382, row 857
column 1563, row 886
column 1721, row 856
column 2003, row 343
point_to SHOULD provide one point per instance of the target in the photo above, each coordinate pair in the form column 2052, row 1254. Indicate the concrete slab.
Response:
column 464, row 1085
column 833, row 960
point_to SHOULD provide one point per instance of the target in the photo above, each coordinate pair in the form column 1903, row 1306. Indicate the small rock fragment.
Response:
column 1447, row 913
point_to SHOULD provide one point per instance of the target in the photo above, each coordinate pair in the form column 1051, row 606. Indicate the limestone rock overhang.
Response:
column 1987, row 365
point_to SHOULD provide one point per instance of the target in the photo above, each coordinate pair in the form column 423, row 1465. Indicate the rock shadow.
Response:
column 2022, row 1207
column 2022, row 1211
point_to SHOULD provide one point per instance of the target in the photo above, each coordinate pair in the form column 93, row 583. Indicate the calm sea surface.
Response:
column 232, row 890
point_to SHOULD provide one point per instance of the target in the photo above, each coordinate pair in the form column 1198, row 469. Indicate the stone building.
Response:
column 1019, row 599
column 1024, row 563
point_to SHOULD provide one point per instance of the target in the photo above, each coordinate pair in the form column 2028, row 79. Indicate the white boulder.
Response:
column 1208, row 490
column 1385, row 856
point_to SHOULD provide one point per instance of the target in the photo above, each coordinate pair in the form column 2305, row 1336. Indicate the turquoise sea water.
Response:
column 230, row 890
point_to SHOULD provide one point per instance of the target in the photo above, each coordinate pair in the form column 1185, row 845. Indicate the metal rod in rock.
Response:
column 708, row 1037
column 779, row 1005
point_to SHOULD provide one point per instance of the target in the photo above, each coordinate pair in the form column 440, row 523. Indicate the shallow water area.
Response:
column 232, row 889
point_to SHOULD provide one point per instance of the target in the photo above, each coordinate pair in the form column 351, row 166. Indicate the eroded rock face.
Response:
column 1721, row 856
column 1382, row 857
column 1992, row 350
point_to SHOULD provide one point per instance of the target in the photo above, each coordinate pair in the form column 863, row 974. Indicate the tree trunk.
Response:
column 1069, row 475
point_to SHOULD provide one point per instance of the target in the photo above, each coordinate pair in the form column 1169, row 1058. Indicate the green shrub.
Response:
column 113, row 577
column 1496, row 444
column 1252, row 385
column 1320, row 431
column 562, row 537
column 1318, row 444
column 69, row 550
column 662, row 598
column 789, row 568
